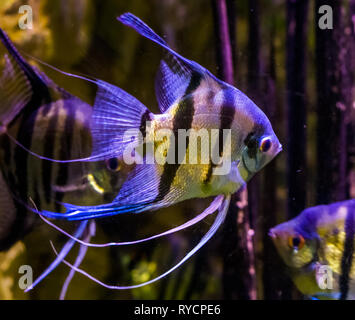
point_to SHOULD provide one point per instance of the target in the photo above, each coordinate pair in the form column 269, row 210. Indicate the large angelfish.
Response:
column 240, row 142
column 190, row 98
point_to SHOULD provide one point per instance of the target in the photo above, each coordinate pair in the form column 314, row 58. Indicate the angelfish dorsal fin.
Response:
column 15, row 88
column 170, row 85
column 175, row 71
column 18, row 82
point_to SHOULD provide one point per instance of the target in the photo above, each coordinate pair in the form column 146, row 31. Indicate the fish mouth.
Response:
column 272, row 234
column 279, row 149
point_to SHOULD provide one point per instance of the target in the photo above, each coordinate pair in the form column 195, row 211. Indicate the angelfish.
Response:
column 318, row 248
column 190, row 98
column 43, row 118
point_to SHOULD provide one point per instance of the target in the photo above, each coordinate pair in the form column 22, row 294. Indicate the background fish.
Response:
column 321, row 235
column 47, row 120
column 190, row 97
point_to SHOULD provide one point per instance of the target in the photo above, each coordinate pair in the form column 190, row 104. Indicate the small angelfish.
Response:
column 318, row 247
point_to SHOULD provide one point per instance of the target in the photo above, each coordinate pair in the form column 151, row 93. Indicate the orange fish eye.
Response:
column 265, row 144
column 113, row 164
column 296, row 242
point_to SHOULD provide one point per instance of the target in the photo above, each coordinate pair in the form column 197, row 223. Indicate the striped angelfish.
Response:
column 174, row 162
column 318, row 247
column 192, row 100
column 37, row 115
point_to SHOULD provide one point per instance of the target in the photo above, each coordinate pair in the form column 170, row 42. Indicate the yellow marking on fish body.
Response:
column 94, row 184
column 331, row 230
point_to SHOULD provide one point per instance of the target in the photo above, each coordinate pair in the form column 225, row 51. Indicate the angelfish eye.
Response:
column 296, row 242
column 113, row 164
column 265, row 144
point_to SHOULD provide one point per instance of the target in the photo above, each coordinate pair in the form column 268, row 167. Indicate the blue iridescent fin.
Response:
column 115, row 111
column 138, row 194
column 60, row 257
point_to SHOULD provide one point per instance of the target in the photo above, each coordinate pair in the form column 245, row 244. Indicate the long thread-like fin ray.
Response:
column 211, row 209
column 218, row 221
column 79, row 259
column 63, row 253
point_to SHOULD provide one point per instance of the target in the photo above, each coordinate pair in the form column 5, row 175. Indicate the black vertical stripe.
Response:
column 49, row 144
column 40, row 94
column 10, row 238
column 65, row 148
column 24, row 136
column 145, row 117
column 226, row 118
column 347, row 258
column 7, row 151
column 182, row 120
